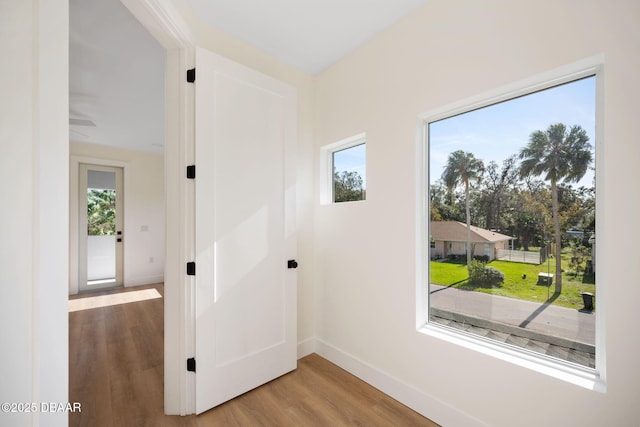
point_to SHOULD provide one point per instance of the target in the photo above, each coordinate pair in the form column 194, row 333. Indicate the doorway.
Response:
column 165, row 25
column 101, row 233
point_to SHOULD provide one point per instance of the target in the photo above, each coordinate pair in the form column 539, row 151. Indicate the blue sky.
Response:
column 501, row 130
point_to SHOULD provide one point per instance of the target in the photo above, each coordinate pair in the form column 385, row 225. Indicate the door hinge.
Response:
column 191, row 75
column 292, row 263
column 191, row 171
column 191, row 364
column 191, row 269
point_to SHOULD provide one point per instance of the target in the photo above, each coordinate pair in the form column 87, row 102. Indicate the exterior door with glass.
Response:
column 101, row 234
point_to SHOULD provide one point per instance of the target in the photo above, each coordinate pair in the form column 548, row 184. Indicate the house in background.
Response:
column 450, row 238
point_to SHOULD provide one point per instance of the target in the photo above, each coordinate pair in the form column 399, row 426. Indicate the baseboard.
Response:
column 306, row 347
column 144, row 280
column 129, row 283
column 425, row 404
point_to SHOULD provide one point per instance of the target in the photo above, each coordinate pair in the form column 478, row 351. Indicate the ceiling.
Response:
column 309, row 34
column 117, row 68
column 116, row 78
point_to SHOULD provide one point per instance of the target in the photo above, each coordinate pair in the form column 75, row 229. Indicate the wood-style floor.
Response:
column 116, row 374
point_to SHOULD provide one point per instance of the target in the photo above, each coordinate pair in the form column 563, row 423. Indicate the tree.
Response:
column 101, row 212
column 347, row 187
column 462, row 168
column 529, row 213
column 560, row 155
column 443, row 204
column 495, row 192
column 587, row 196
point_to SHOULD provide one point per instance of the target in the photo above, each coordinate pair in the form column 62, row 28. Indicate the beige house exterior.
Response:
column 449, row 238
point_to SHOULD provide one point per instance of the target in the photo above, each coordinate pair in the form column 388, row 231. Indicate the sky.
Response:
column 501, row 130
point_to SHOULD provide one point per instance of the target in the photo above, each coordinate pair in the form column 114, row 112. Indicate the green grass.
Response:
column 454, row 273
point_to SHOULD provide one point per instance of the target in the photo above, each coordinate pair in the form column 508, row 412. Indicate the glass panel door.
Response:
column 101, row 234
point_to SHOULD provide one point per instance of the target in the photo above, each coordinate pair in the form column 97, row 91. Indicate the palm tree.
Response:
column 463, row 167
column 561, row 156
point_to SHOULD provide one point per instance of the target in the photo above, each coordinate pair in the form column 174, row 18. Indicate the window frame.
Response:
column 327, row 196
column 590, row 378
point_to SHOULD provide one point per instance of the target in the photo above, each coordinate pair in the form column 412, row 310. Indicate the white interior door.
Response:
column 100, row 248
column 245, row 229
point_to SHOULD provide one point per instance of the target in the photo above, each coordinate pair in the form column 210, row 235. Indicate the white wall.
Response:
column 33, row 224
column 143, row 211
column 366, row 269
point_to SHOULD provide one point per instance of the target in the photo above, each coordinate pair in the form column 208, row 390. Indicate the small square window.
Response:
column 344, row 170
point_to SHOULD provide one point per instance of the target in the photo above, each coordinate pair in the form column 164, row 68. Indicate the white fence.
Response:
column 519, row 256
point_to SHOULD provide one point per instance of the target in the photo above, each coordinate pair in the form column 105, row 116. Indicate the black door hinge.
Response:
column 292, row 263
column 191, row 75
column 191, row 269
column 191, row 171
column 191, row 364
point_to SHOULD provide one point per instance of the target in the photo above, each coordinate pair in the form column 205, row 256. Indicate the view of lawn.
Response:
column 454, row 273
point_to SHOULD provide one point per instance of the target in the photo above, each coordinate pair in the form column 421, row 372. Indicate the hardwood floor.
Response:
column 116, row 374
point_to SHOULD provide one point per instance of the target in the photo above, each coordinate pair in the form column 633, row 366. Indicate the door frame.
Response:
column 74, row 210
column 83, row 252
column 167, row 26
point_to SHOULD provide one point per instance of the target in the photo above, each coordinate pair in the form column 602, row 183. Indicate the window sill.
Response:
column 565, row 371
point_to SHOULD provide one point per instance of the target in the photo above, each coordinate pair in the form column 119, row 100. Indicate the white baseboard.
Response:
column 306, row 347
column 143, row 280
column 425, row 404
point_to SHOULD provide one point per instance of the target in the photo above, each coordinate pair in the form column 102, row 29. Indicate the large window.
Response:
column 509, row 221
